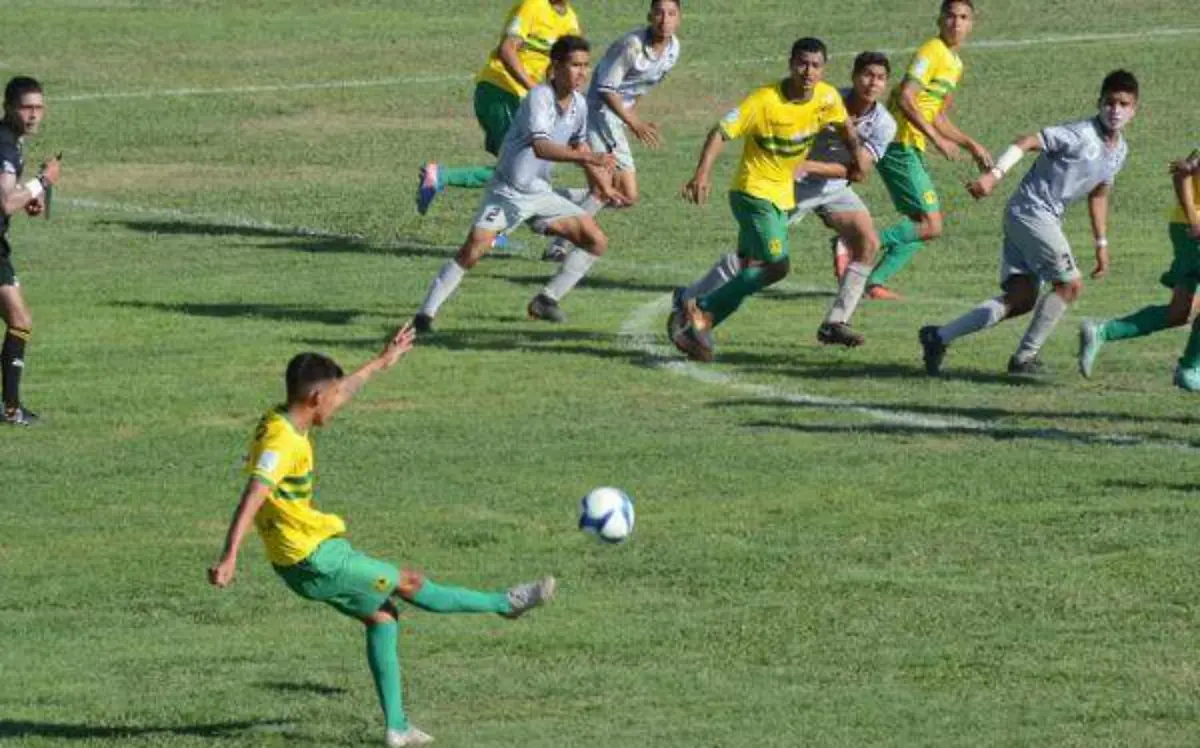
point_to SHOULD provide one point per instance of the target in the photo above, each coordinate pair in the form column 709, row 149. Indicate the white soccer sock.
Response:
column 854, row 282
column 443, row 286
column 726, row 269
column 1049, row 310
column 577, row 264
column 981, row 317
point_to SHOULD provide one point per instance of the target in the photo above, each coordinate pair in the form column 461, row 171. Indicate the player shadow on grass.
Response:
column 299, row 239
column 840, row 370
column 279, row 312
column 597, row 282
column 1143, row 485
column 307, row 687
column 15, row 729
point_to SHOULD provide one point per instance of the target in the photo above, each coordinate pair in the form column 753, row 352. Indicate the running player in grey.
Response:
column 823, row 186
column 550, row 126
column 633, row 65
column 1077, row 159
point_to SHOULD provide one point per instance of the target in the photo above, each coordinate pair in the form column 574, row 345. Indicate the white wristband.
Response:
column 1101, row 242
column 35, row 188
column 1011, row 157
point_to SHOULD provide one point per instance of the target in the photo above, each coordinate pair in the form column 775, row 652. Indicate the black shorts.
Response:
column 8, row 274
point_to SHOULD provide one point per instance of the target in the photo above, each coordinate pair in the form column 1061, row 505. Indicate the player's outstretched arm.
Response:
column 253, row 496
column 912, row 112
column 863, row 160
column 548, row 150
column 15, row 197
column 1098, row 210
column 397, row 345
column 697, row 189
column 509, row 57
column 986, row 183
column 647, row 132
column 951, row 131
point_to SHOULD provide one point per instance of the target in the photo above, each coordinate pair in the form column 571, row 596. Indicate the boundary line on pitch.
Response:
column 982, row 44
column 636, row 335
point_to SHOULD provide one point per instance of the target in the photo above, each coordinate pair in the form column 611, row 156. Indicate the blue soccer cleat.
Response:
column 428, row 187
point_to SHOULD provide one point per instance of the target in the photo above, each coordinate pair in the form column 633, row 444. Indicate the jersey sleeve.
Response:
column 614, row 75
column 741, row 119
column 523, row 20
column 271, row 458
column 881, row 137
column 541, row 112
column 1060, row 140
column 10, row 158
column 923, row 66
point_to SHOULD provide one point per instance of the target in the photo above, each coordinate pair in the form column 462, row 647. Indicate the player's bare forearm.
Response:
column 253, row 496
column 1098, row 211
column 624, row 113
column 400, row 343
column 548, row 150
column 863, row 160
column 713, row 145
column 824, row 170
column 912, row 112
column 14, row 197
column 512, row 61
column 1185, row 193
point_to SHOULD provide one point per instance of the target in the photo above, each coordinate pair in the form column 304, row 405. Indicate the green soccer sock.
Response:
column 1191, row 352
column 1144, row 321
column 465, row 176
column 384, row 659
column 440, row 598
column 899, row 242
column 726, row 299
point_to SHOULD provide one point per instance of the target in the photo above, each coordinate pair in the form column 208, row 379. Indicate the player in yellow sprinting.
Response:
column 780, row 123
column 920, row 104
column 308, row 549
column 518, row 63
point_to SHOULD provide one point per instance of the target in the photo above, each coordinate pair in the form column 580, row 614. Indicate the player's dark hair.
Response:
column 867, row 59
column 17, row 87
column 566, row 45
column 655, row 3
column 811, row 45
column 306, row 371
column 948, row 4
column 1119, row 81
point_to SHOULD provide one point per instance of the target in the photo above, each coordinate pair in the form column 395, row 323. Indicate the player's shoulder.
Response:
column 933, row 48
column 10, row 146
column 275, row 428
column 827, row 93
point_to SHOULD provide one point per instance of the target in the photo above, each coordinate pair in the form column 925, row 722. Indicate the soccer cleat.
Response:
column 19, row 416
column 427, row 187
column 841, row 257
column 933, row 349
column 694, row 339
column 525, row 597
column 1091, row 337
column 544, row 307
column 422, row 323
column 676, row 322
column 556, row 251
column 1030, row 367
column 1187, row 379
column 882, row 293
column 410, row 737
column 839, row 333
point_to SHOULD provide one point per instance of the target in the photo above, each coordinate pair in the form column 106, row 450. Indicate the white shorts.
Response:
column 813, row 197
column 606, row 134
column 504, row 208
column 1034, row 244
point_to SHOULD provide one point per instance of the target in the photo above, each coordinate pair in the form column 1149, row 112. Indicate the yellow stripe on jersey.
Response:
column 1179, row 215
column 779, row 135
column 290, row 525
column 538, row 25
column 938, row 70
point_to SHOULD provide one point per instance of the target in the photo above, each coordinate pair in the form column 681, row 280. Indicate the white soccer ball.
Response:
column 607, row 513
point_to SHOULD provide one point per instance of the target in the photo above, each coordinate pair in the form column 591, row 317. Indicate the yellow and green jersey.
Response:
column 938, row 70
column 1179, row 215
column 289, row 523
column 538, row 25
column 779, row 135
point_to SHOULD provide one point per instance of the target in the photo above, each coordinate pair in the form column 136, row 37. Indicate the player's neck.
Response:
column 300, row 417
column 857, row 106
column 793, row 91
column 561, row 96
column 952, row 46
column 559, row 7
column 656, row 44
column 1109, row 136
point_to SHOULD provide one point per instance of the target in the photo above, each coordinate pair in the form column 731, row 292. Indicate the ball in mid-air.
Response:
column 607, row 513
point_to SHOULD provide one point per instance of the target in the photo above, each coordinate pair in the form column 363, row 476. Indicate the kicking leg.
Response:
column 590, row 243
column 1145, row 321
column 1020, row 295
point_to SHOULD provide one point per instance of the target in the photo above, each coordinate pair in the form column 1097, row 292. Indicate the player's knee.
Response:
column 471, row 252
column 595, row 241
column 1178, row 316
column 20, row 319
column 776, row 271
column 1070, row 290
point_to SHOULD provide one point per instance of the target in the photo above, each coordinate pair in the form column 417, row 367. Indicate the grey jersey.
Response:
column 539, row 117
column 1073, row 162
column 876, row 129
column 629, row 69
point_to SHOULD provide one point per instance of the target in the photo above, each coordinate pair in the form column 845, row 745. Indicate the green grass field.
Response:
column 832, row 549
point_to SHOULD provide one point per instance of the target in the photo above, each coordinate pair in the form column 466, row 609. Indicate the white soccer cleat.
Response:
column 1090, row 340
column 1187, row 379
column 411, row 736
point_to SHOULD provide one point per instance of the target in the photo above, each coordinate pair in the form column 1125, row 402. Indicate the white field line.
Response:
column 637, row 335
column 419, row 80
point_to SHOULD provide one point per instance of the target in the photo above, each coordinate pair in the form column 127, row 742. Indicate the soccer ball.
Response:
column 607, row 513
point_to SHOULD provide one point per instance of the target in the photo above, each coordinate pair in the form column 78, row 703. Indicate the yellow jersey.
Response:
column 538, row 25
column 290, row 525
column 779, row 135
column 1179, row 215
column 939, row 71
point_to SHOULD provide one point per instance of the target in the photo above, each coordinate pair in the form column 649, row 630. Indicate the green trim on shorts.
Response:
column 908, row 182
column 1185, row 267
column 351, row 582
column 494, row 110
column 762, row 227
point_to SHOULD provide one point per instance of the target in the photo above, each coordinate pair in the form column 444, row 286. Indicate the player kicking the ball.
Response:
column 823, row 187
column 780, row 123
column 1077, row 159
column 633, row 65
column 550, row 126
column 307, row 548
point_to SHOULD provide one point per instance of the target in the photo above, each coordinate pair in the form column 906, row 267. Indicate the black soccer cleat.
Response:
column 933, row 349
column 1032, row 367
column 544, row 307
column 839, row 333
column 19, row 416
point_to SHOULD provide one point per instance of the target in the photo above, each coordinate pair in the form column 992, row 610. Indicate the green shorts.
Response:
column 494, row 109
column 762, row 228
column 903, row 172
column 336, row 574
column 1185, row 268
column 8, row 274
